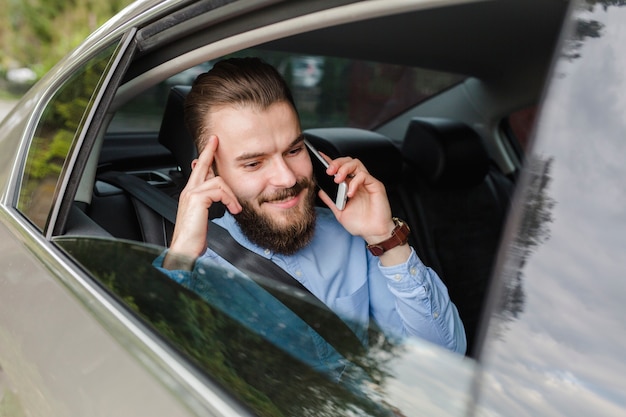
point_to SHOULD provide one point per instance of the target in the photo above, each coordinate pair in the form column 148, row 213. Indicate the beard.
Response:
column 286, row 237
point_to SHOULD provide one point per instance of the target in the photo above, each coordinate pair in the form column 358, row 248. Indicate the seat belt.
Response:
column 151, row 196
column 313, row 311
column 262, row 270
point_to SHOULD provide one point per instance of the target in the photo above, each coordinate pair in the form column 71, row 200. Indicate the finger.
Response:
column 225, row 195
column 230, row 201
column 348, row 169
column 356, row 182
column 333, row 164
column 203, row 166
column 210, row 191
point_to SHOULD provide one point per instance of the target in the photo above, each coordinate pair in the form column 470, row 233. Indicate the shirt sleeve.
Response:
column 180, row 276
column 184, row 277
column 422, row 304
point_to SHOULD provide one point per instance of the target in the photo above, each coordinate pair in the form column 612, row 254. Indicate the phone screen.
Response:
column 337, row 192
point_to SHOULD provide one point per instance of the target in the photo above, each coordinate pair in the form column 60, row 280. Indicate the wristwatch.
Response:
column 399, row 236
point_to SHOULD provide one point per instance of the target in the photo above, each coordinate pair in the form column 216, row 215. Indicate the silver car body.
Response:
column 67, row 348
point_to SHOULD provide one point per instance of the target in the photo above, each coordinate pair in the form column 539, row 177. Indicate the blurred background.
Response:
column 36, row 34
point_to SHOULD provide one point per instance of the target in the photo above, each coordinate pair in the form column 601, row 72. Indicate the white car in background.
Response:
column 307, row 71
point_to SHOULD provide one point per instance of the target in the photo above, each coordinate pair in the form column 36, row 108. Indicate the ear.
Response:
column 193, row 164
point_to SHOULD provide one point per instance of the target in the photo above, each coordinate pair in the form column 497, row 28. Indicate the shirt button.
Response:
column 267, row 252
column 413, row 271
column 397, row 277
column 298, row 273
column 436, row 314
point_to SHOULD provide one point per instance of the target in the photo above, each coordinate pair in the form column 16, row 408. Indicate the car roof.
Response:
column 483, row 38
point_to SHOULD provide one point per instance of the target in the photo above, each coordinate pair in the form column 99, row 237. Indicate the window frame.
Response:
column 84, row 137
column 68, row 184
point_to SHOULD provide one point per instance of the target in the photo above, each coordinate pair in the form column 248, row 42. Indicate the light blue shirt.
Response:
column 403, row 300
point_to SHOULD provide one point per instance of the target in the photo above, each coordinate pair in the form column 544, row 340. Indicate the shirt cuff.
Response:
column 178, row 275
column 407, row 275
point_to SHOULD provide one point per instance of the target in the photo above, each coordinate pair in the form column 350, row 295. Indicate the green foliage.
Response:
column 257, row 373
column 38, row 33
column 54, row 136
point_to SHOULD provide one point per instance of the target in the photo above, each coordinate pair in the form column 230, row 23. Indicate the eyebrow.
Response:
column 250, row 155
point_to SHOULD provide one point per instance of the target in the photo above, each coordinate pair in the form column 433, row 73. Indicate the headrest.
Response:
column 448, row 153
column 174, row 134
column 379, row 155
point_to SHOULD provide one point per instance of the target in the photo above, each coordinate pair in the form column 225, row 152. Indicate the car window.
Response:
column 328, row 91
column 260, row 356
column 333, row 91
column 518, row 127
column 60, row 124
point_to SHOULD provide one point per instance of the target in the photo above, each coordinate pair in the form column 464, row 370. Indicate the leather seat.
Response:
column 457, row 200
column 173, row 133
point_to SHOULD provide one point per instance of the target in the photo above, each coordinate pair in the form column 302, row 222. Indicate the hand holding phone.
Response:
column 337, row 192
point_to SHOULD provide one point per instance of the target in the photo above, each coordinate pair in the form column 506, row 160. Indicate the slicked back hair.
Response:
column 237, row 82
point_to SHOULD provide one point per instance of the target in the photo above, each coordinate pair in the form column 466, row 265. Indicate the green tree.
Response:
column 37, row 33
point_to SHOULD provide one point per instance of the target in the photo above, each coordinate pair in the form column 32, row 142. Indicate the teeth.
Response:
column 283, row 200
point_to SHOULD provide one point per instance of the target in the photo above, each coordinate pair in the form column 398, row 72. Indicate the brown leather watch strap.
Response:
column 399, row 236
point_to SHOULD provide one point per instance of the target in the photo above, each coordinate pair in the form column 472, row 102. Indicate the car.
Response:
column 496, row 127
column 307, row 71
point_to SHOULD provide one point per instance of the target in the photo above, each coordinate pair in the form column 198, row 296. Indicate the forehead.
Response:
column 245, row 128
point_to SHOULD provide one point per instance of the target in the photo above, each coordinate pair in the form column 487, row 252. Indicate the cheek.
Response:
column 246, row 188
column 303, row 167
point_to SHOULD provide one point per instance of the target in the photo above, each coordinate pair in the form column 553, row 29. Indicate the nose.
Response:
column 283, row 175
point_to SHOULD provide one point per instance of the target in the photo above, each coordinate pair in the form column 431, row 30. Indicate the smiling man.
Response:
column 253, row 159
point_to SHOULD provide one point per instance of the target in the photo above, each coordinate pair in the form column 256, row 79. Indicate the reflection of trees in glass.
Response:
column 257, row 373
column 587, row 28
column 61, row 120
column 533, row 231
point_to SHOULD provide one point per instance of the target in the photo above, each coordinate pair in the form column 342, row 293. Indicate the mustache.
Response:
column 285, row 193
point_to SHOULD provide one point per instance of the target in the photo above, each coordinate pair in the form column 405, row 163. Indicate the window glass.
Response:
column 332, row 91
column 60, row 123
column 268, row 357
column 328, row 91
column 520, row 124
column 237, row 346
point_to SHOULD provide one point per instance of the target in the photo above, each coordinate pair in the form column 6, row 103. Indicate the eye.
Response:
column 252, row 165
column 295, row 150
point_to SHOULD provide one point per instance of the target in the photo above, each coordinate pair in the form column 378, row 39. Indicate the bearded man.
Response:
column 253, row 159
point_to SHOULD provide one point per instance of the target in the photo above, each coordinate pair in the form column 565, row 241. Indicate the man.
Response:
column 252, row 159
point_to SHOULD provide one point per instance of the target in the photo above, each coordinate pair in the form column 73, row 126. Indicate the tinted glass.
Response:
column 328, row 91
column 58, row 128
column 558, row 339
column 518, row 128
column 259, row 355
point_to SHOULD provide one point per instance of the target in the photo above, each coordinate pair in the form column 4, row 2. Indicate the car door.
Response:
column 88, row 326
column 62, row 350
column 556, row 339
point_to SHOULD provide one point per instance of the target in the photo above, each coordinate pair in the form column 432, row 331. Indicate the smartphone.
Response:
column 337, row 192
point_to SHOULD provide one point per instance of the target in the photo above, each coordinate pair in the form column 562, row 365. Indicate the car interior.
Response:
column 448, row 162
